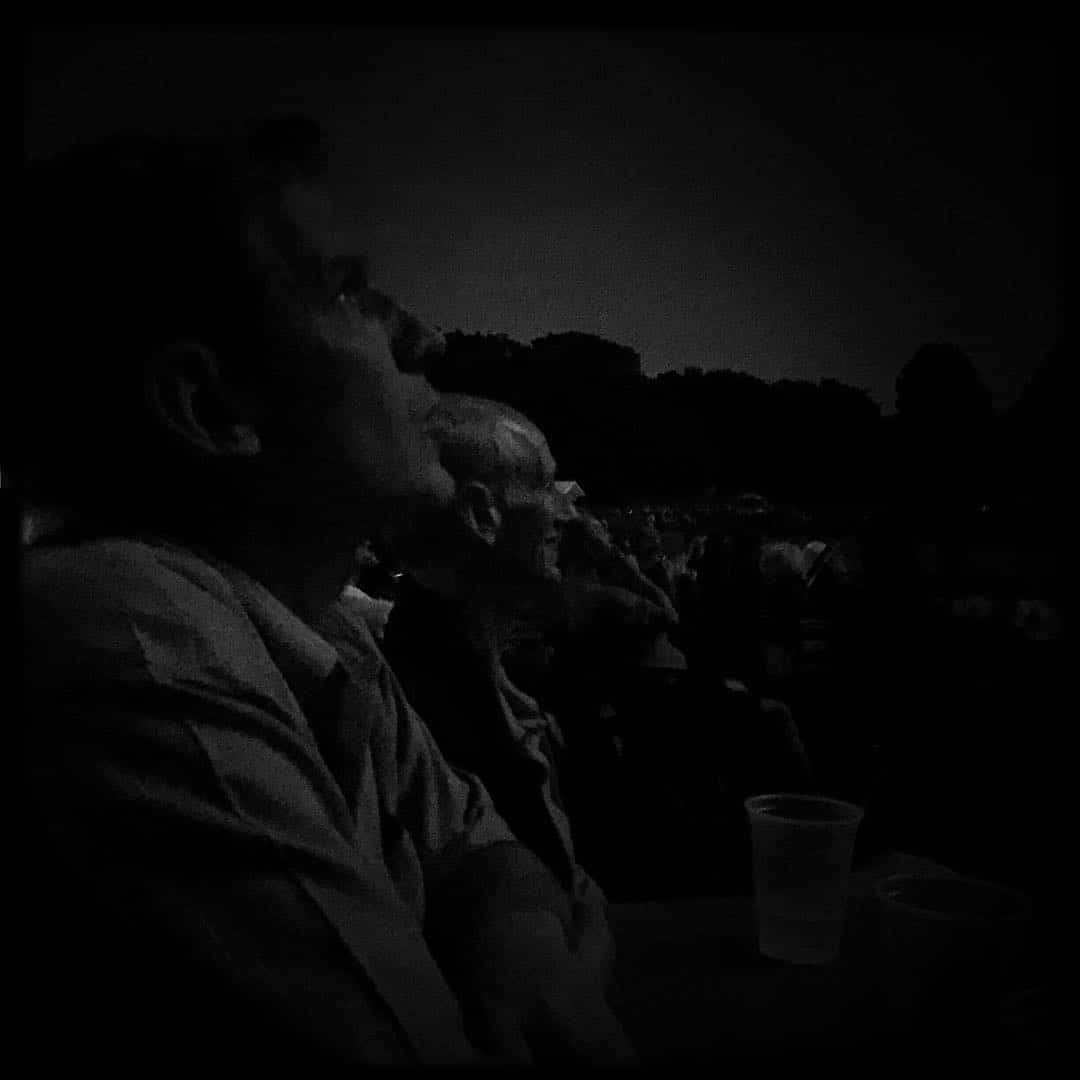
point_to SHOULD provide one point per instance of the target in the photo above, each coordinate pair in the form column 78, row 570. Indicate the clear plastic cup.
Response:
column 802, row 847
column 949, row 944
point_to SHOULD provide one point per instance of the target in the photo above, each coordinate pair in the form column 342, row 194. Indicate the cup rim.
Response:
column 1021, row 900
column 851, row 813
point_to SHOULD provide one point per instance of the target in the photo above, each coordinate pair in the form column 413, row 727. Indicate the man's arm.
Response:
column 207, row 835
column 500, row 879
column 530, row 966
column 528, row 970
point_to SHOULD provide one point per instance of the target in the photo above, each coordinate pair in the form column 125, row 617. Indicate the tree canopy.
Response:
column 625, row 435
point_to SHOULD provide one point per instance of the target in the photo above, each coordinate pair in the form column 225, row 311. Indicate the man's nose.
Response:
column 415, row 346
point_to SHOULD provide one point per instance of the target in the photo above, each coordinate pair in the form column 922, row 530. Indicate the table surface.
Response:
column 692, row 986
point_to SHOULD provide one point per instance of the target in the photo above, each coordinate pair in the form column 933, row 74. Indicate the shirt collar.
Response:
column 304, row 657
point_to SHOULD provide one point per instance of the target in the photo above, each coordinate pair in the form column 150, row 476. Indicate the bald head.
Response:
column 508, row 513
column 487, row 441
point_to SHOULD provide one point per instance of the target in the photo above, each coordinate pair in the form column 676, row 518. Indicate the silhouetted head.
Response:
column 204, row 340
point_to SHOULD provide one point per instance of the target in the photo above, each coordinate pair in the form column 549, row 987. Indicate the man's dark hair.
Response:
column 132, row 243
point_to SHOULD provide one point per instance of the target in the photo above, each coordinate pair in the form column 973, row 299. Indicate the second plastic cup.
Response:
column 802, row 848
column 949, row 945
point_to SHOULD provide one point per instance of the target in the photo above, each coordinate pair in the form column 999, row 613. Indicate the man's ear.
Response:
column 188, row 398
column 479, row 511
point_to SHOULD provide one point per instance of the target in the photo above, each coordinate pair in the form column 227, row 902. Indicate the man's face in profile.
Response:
column 534, row 514
column 355, row 444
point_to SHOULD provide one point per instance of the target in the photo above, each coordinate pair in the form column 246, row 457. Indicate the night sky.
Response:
column 790, row 205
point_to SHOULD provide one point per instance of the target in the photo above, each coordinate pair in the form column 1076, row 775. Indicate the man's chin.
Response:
column 434, row 493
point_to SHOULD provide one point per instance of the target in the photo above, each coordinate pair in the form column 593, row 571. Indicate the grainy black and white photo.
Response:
column 535, row 546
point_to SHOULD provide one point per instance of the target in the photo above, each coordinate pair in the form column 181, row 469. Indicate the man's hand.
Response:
column 613, row 567
column 532, row 996
column 624, row 571
column 591, row 603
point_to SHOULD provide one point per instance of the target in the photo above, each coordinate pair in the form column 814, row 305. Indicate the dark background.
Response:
column 826, row 267
column 802, row 206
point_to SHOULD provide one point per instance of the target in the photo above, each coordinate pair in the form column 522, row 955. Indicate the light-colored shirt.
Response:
column 372, row 609
column 182, row 720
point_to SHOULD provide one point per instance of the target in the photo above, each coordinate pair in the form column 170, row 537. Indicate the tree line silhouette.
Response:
column 625, row 436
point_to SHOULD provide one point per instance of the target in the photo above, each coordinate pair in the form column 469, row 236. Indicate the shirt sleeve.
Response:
column 447, row 811
column 209, row 826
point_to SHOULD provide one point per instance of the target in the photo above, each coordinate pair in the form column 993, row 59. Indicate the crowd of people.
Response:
column 346, row 715
column 608, row 658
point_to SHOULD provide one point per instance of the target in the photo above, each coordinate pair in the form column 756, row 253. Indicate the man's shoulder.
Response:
column 127, row 608
column 113, row 564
